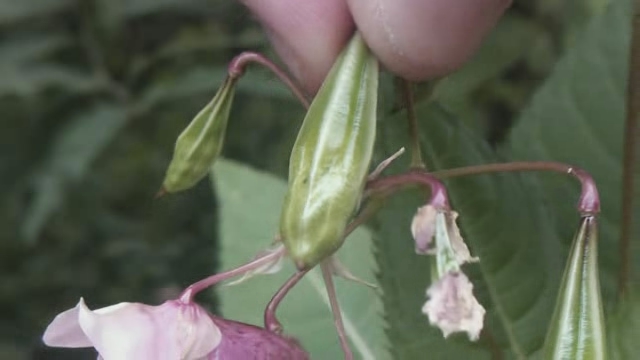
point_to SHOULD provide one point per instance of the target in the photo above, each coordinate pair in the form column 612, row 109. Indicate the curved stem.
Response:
column 387, row 184
column 271, row 322
column 631, row 153
column 589, row 202
column 239, row 63
column 335, row 309
column 190, row 292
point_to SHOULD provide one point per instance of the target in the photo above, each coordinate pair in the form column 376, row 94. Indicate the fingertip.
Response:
column 307, row 35
column 423, row 39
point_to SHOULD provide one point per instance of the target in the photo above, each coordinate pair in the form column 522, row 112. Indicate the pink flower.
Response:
column 170, row 331
column 174, row 330
column 452, row 306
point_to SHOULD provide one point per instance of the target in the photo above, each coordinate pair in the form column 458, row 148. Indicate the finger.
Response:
column 422, row 39
column 307, row 35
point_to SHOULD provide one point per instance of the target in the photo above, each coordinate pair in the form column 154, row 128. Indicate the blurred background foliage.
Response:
column 93, row 94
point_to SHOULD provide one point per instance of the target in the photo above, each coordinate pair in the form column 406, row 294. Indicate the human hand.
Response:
column 416, row 39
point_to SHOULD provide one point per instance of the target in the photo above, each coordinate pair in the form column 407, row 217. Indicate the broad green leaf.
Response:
column 624, row 328
column 577, row 117
column 520, row 265
column 71, row 155
column 250, row 203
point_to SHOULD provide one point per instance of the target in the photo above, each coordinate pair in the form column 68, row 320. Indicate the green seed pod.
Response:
column 200, row 143
column 577, row 330
column 330, row 158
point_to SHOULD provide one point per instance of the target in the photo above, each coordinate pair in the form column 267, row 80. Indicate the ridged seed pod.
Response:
column 330, row 159
column 199, row 145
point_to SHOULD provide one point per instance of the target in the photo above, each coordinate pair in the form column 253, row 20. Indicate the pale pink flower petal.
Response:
column 423, row 229
column 65, row 331
column 128, row 331
column 452, row 306
column 460, row 249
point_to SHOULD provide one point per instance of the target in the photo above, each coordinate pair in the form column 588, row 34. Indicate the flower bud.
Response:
column 199, row 145
column 577, row 328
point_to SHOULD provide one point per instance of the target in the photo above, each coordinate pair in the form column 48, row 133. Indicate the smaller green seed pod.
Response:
column 330, row 158
column 577, row 329
column 199, row 145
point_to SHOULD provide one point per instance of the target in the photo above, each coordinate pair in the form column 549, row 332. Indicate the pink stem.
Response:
column 271, row 322
column 335, row 309
column 189, row 293
column 589, row 202
column 239, row 63
column 438, row 198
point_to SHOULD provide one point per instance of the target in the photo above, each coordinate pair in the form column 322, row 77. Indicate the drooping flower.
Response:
column 452, row 306
column 171, row 331
column 174, row 330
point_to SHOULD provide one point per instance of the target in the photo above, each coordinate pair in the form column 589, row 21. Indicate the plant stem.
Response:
column 271, row 322
column 239, row 63
column 416, row 154
column 335, row 309
column 589, row 202
column 190, row 292
column 631, row 150
column 390, row 184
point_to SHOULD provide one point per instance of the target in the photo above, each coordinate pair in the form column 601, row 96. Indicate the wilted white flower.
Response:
column 423, row 228
column 452, row 306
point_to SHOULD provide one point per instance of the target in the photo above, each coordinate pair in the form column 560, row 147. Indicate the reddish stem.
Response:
column 239, row 63
column 438, row 199
column 189, row 293
column 335, row 309
column 589, row 202
column 271, row 322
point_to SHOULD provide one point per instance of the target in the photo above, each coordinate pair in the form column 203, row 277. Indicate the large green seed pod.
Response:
column 577, row 330
column 199, row 145
column 330, row 159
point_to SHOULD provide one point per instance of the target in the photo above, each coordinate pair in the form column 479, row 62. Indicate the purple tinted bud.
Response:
column 243, row 341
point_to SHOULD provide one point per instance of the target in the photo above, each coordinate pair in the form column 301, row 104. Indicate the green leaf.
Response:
column 520, row 265
column 624, row 328
column 250, row 203
column 71, row 155
column 577, row 117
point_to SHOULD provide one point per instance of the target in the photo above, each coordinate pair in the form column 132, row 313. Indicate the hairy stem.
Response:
column 239, row 63
column 271, row 322
column 589, row 202
column 335, row 309
column 190, row 292
column 631, row 156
